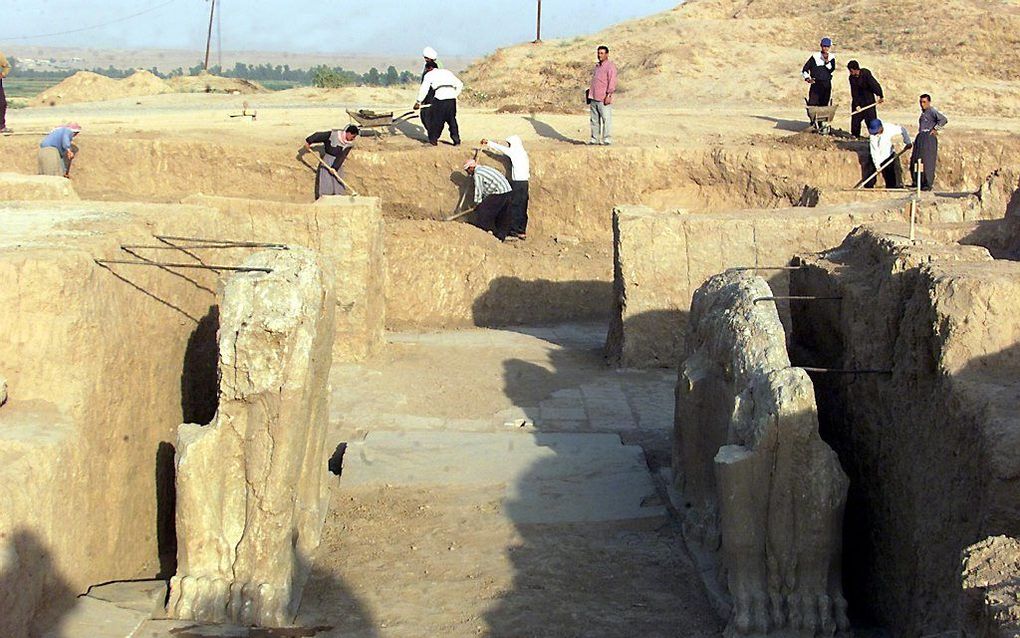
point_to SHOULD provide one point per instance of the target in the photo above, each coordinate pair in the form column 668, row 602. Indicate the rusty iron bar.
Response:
column 767, row 267
column 794, row 298
column 839, row 371
column 128, row 262
column 225, row 243
column 199, row 246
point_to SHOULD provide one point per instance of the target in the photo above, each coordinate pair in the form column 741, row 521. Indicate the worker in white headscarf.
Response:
column 520, row 175
column 431, row 57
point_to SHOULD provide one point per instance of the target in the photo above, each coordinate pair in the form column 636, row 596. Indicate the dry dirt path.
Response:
column 497, row 483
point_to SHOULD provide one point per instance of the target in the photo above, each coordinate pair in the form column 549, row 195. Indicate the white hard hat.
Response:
column 430, row 53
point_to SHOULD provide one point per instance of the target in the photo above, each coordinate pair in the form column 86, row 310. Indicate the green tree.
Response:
column 327, row 78
column 391, row 78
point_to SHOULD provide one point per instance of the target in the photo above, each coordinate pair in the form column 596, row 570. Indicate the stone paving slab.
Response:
column 92, row 618
column 546, row 477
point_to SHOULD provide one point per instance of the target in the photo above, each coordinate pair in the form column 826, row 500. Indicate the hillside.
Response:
column 717, row 51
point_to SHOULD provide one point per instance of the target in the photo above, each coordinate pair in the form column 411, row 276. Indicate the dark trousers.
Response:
column 493, row 215
column 443, row 113
column 519, row 208
column 891, row 173
column 926, row 149
column 3, row 106
column 857, row 119
column 820, row 93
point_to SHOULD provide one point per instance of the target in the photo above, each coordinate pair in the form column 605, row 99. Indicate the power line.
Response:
column 95, row 26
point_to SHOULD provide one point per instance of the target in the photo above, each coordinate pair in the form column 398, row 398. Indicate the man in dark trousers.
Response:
column 818, row 72
column 864, row 90
column 926, row 144
column 447, row 88
column 5, row 69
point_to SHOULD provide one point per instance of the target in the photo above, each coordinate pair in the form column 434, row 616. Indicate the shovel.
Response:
column 333, row 172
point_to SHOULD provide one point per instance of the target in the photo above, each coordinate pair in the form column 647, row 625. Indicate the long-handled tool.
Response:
column 864, row 108
column 333, row 172
column 463, row 195
column 881, row 168
column 460, row 214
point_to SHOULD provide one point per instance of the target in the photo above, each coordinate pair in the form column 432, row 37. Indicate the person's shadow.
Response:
column 548, row 132
column 33, row 594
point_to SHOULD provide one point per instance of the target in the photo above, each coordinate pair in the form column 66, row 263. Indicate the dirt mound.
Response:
column 85, row 86
column 206, row 83
column 700, row 53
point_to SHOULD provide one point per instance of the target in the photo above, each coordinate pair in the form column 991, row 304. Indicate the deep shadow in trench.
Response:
column 513, row 301
column 32, row 589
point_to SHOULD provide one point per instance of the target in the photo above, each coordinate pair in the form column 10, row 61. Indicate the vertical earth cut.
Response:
column 251, row 486
column 764, row 494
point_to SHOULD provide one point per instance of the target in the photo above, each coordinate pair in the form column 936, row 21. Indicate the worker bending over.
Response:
column 882, row 153
column 520, row 174
column 336, row 146
column 56, row 150
column 492, row 199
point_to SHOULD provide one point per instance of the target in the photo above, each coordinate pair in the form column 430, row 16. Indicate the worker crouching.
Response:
column 57, row 150
column 493, row 196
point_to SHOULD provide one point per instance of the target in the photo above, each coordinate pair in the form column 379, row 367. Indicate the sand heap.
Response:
column 207, row 83
column 748, row 52
column 85, row 86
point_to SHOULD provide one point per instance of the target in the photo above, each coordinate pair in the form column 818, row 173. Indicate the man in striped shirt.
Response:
column 492, row 199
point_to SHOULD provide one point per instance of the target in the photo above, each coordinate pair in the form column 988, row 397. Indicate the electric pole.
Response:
column 538, row 24
column 208, row 38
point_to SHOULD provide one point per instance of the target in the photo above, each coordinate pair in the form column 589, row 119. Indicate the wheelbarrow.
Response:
column 368, row 119
column 821, row 117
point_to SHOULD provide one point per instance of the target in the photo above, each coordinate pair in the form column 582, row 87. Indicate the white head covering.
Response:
column 470, row 164
column 514, row 141
column 430, row 53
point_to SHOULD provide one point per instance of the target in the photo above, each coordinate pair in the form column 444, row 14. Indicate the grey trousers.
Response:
column 601, row 123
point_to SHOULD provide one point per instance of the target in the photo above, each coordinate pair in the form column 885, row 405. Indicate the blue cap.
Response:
column 826, row 42
column 873, row 126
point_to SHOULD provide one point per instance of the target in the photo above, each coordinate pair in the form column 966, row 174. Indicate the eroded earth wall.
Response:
column 103, row 362
column 763, row 495
column 928, row 433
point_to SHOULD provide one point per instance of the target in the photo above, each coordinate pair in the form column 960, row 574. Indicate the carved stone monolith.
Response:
column 251, row 485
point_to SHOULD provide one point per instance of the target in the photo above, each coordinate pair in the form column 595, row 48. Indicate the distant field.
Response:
column 278, row 85
column 26, row 87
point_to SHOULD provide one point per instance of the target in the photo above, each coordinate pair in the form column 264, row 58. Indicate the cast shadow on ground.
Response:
column 32, row 590
column 574, row 574
column 409, row 129
column 796, row 126
column 548, row 132
column 465, row 191
column 513, row 301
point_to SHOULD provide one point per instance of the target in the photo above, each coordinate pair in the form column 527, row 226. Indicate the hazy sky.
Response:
column 453, row 27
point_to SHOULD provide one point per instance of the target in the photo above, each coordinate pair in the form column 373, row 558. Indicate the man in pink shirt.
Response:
column 600, row 97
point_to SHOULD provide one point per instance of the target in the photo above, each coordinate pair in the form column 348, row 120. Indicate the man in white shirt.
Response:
column 520, row 174
column 443, row 111
column 881, row 143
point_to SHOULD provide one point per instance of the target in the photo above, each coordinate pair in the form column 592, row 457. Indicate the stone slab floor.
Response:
column 496, row 483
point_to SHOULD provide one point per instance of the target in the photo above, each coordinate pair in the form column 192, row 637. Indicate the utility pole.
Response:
column 538, row 24
column 208, row 38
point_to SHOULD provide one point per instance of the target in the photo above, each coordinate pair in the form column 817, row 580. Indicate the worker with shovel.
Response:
column 492, row 199
column 865, row 96
column 336, row 146
column 882, row 156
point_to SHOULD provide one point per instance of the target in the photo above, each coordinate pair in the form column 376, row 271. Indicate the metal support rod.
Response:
column 767, row 268
column 128, row 262
column 916, row 197
column 217, row 243
column 838, row 371
column 793, row 298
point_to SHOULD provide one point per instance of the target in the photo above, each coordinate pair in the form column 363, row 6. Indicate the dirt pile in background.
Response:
column 701, row 52
column 86, row 86
column 206, row 83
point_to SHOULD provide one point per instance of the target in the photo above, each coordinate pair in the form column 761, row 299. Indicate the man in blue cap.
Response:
column 882, row 153
column 818, row 72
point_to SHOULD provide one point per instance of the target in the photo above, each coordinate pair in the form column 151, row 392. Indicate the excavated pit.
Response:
column 402, row 269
